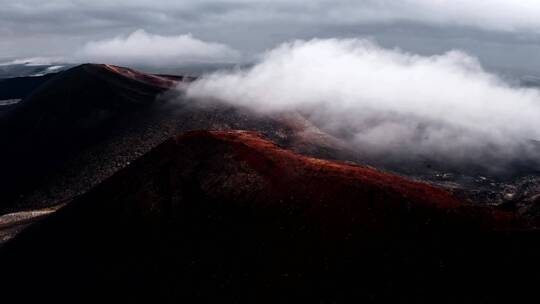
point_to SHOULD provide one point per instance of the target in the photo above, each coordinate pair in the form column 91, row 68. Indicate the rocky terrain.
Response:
column 85, row 124
column 230, row 216
column 151, row 208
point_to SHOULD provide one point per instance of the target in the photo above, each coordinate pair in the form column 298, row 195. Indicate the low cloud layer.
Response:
column 142, row 48
column 389, row 102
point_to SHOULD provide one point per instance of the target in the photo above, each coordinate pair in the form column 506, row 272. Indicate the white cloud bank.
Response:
column 387, row 101
column 142, row 48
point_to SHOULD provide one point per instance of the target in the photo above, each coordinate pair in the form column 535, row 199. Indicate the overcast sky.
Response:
column 504, row 34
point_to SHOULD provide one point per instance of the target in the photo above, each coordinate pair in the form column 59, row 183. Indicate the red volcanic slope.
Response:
column 96, row 108
column 362, row 193
column 228, row 216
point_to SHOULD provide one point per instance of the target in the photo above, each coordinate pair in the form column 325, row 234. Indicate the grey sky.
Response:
column 504, row 34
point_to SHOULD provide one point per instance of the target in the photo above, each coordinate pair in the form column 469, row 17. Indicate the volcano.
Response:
column 117, row 186
column 65, row 115
column 230, row 216
column 79, row 126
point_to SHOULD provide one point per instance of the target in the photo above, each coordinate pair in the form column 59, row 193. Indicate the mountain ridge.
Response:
column 229, row 215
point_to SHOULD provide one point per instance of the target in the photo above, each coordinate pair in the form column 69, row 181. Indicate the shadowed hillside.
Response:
column 230, row 217
column 75, row 110
column 90, row 121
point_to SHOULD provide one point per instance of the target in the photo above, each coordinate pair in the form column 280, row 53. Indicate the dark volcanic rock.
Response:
column 75, row 110
column 88, row 122
column 21, row 87
column 230, row 217
column 13, row 90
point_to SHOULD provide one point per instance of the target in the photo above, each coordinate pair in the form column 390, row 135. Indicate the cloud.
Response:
column 496, row 15
column 487, row 28
column 515, row 15
column 142, row 48
column 389, row 102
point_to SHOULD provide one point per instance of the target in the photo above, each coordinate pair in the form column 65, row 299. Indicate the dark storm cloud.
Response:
column 485, row 28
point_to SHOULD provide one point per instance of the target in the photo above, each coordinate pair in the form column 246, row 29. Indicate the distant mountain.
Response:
column 72, row 111
column 231, row 217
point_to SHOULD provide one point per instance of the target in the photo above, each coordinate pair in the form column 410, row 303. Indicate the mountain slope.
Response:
column 231, row 217
column 73, row 111
column 81, row 126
